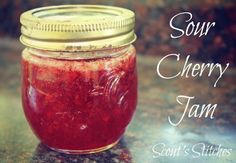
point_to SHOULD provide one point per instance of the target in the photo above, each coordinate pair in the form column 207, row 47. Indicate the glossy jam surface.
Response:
column 79, row 104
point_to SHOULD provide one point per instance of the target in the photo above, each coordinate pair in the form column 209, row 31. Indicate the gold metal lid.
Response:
column 77, row 27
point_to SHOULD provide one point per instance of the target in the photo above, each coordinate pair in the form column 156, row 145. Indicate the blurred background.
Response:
column 152, row 25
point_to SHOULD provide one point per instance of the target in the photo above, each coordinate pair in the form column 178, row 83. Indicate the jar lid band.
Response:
column 77, row 27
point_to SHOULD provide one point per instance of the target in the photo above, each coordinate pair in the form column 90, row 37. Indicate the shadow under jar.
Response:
column 79, row 78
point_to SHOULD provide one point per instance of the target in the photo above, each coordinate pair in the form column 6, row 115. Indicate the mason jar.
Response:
column 79, row 78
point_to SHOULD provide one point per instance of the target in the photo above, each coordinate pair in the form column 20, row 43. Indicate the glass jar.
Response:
column 79, row 79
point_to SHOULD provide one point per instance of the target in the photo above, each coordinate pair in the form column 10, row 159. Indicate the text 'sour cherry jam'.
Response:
column 79, row 79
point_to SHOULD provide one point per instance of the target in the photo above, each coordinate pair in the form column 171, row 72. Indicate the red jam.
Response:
column 79, row 104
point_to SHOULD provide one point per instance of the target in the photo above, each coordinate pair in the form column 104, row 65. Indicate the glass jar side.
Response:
column 79, row 102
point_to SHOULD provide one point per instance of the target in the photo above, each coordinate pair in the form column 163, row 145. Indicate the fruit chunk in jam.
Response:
column 79, row 104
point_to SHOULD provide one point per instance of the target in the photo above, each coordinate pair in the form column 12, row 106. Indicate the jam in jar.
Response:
column 79, row 78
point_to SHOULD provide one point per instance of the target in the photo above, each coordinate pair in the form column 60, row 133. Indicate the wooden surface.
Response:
column 157, row 101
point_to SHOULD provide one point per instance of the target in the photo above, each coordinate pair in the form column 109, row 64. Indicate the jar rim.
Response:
column 77, row 27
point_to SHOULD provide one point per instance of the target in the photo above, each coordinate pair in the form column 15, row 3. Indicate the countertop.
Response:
column 149, row 127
